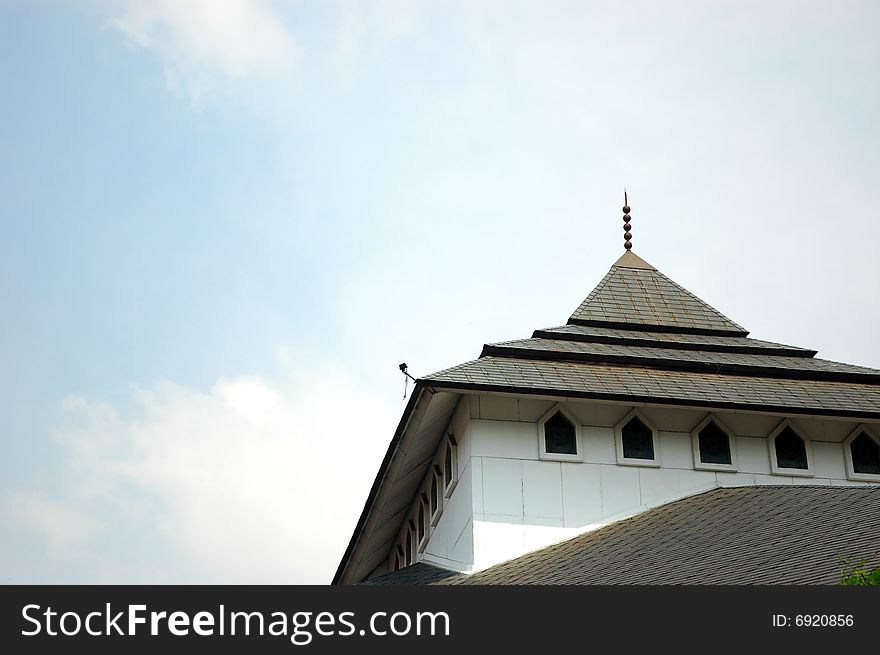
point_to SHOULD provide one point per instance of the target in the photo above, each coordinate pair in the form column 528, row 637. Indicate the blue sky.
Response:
column 226, row 223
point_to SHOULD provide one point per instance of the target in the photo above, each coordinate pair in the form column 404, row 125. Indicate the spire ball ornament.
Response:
column 627, row 235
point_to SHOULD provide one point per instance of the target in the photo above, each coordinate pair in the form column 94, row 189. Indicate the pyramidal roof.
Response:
column 634, row 294
column 640, row 337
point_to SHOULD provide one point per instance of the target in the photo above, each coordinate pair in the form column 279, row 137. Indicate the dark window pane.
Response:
column 714, row 445
column 409, row 548
column 865, row 455
column 638, row 442
column 447, row 465
column 559, row 435
column 791, row 453
column 421, row 525
column 435, row 495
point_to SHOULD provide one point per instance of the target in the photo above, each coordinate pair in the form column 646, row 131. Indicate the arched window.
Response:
column 422, row 523
column 434, row 495
column 862, row 455
column 714, row 446
column 398, row 559
column 450, row 466
column 790, row 452
column 559, row 436
column 865, row 455
column 637, row 441
column 409, row 548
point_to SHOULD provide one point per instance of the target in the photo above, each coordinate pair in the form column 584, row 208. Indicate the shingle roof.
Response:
column 670, row 387
column 725, row 343
column 781, row 365
column 637, row 338
column 415, row 574
column 635, row 293
column 643, row 344
column 748, row 535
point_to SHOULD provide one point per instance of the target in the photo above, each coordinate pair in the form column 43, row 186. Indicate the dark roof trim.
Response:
column 651, row 400
column 418, row 390
column 673, row 345
column 649, row 327
column 680, row 365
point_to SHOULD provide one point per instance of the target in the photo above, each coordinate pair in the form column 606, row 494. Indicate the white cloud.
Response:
column 251, row 482
column 200, row 40
column 249, row 396
column 66, row 528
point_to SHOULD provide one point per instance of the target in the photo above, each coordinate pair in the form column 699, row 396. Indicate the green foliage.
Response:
column 859, row 575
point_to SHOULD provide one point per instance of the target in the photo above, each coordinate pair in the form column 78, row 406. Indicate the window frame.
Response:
column 618, row 441
column 436, row 478
column 699, row 464
column 397, row 559
column 409, row 558
column 542, row 442
column 449, row 485
column 423, row 506
column 775, row 469
column 847, row 455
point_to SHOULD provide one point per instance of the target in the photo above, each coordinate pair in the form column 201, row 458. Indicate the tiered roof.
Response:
column 640, row 337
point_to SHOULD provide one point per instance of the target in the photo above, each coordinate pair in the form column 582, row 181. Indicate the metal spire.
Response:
column 627, row 235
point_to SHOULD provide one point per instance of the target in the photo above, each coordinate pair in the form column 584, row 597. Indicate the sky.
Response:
column 226, row 222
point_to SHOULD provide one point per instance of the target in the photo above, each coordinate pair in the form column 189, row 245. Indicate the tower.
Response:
column 647, row 397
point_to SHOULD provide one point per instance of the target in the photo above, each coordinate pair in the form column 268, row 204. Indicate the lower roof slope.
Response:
column 672, row 386
column 746, row 535
column 419, row 573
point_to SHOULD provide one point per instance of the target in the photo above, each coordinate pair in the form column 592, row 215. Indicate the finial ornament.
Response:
column 627, row 235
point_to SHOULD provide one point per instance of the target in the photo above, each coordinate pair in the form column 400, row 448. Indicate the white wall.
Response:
column 451, row 541
column 521, row 503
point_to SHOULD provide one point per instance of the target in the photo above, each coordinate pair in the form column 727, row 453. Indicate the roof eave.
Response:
column 651, row 400
column 421, row 387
